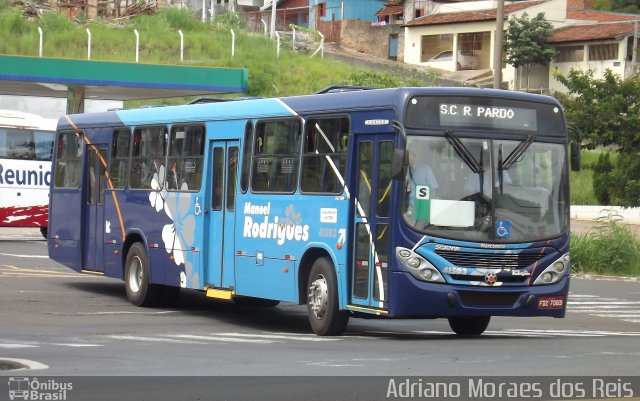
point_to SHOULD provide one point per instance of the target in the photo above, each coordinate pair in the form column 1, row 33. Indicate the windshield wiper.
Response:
column 463, row 152
column 516, row 153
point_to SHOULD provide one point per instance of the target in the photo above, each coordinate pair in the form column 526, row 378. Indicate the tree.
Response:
column 623, row 6
column 606, row 112
column 526, row 41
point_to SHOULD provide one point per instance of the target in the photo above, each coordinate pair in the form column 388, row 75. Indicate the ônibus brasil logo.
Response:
column 24, row 388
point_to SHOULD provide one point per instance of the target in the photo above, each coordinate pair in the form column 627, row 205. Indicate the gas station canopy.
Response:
column 105, row 80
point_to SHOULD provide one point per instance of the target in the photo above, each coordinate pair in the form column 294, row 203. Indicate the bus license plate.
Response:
column 551, row 302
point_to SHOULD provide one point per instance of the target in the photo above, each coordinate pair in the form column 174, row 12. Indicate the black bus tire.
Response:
column 136, row 278
column 322, row 300
column 469, row 326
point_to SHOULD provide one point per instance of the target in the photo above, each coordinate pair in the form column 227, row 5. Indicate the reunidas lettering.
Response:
column 11, row 176
column 267, row 229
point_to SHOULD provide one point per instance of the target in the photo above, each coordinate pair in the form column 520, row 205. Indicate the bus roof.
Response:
column 279, row 107
column 18, row 119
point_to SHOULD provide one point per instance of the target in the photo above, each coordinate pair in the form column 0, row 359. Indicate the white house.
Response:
column 461, row 36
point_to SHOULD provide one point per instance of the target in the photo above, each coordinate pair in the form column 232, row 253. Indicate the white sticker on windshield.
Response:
column 451, row 213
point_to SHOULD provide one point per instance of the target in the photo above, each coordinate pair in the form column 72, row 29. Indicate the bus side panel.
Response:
column 273, row 233
column 168, row 225
column 269, row 278
column 64, row 230
column 25, row 188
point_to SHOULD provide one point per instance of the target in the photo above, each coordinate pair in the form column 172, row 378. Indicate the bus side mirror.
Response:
column 399, row 164
column 576, row 159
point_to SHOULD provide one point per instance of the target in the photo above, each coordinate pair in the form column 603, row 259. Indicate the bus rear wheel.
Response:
column 136, row 278
column 469, row 326
column 322, row 300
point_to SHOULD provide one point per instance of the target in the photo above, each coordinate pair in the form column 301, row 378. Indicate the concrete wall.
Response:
column 374, row 40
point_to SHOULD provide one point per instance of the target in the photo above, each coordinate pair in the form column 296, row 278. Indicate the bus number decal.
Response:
column 328, row 232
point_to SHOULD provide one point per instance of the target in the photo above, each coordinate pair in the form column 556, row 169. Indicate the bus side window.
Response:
column 69, row 160
column 119, row 158
column 149, row 149
column 246, row 158
column 325, row 152
column 186, row 152
column 276, row 153
column 19, row 144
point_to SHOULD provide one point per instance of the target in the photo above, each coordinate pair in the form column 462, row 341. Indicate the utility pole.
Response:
column 634, row 52
column 497, row 45
column 273, row 17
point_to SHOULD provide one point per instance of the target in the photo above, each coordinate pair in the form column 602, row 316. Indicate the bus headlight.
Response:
column 418, row 266
column 555, row 271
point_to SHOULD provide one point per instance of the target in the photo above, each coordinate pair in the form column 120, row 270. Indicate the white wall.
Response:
column 413, row 40
column 598, row 67
column 51, row 107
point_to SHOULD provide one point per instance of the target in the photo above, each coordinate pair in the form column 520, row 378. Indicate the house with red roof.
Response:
column 461, row 36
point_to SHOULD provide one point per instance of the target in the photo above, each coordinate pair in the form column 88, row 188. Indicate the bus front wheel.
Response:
column 325, row 317
column 136, row 278
column 469, row 326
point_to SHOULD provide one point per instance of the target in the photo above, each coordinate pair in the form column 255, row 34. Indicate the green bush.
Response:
column 380, row 80
column 610, row 248
column 601, row 180
column 228, row 20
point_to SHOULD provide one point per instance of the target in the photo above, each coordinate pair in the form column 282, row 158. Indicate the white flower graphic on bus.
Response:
column 178, row 236
column 158, row 193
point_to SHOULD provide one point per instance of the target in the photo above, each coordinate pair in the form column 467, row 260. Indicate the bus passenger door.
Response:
column 369, row 277
column 93, row 216
column 220, row 214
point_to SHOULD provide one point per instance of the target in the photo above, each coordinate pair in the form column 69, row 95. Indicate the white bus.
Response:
column 26, row 146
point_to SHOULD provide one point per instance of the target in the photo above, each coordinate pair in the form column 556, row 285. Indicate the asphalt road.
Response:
column 67, row 324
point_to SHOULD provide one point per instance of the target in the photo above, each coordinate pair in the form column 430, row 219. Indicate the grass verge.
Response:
column 610, row 248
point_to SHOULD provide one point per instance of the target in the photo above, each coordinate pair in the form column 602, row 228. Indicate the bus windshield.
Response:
column 485, row 190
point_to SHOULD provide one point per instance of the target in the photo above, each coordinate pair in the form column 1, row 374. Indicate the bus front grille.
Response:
column 483, row 260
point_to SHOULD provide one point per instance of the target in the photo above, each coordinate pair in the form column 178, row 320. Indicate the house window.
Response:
column 603, row 52
column 570, row 54
column 419, row 12
column 322, row 9
column 471, row 41
column 436, row 46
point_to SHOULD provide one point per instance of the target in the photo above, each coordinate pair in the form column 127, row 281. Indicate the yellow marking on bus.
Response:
column 92, row 272
column 106, row 174
column 366, row 180
column 219, row 294
column 386, row 192
column 362, row 308
column 22, row 272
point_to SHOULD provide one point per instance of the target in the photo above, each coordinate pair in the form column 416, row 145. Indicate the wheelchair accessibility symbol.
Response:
column 503, row 228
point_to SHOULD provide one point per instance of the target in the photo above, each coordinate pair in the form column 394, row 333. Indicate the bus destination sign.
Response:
column 472, row 115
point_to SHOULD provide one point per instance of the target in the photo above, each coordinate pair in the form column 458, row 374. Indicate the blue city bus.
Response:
column 406, row 202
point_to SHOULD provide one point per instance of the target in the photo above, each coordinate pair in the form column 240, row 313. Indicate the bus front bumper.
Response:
column 413, row 298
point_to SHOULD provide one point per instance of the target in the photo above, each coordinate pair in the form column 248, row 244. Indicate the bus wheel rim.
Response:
column 135, row 274
column 319, row 296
